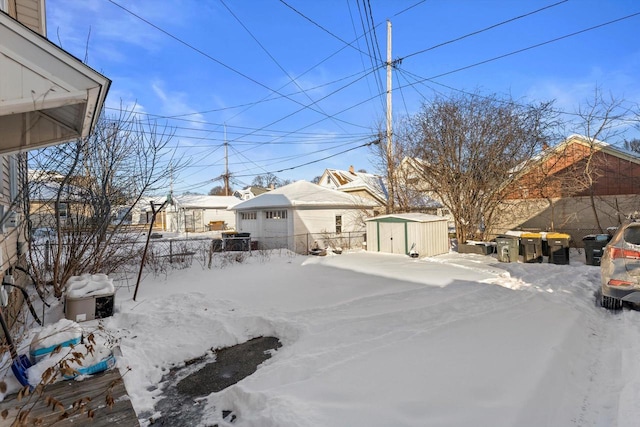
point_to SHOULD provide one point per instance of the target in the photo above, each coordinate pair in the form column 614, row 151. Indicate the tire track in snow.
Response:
column 400, row 324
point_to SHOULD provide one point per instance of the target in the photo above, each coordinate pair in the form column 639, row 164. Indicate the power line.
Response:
column 206, row 55
column 485, row 29
column 495, row 58
column 294, row 81
column 377, row 141
column 209, row 181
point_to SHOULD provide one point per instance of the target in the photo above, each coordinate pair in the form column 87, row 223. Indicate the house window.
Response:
column 276, row 214
column 248, row 216
column 13, row 178
column 338, row 224
column 63, row 210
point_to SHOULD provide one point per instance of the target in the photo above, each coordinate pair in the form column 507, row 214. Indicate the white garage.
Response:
column 289, row 217
column 399, row 233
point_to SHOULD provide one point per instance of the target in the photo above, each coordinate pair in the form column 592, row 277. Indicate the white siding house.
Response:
column 401, row 233
column 289, row 216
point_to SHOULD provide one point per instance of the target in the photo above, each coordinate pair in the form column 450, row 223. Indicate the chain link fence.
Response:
column 164, row 255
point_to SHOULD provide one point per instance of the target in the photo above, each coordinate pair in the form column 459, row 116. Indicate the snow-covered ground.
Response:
column 386, row 340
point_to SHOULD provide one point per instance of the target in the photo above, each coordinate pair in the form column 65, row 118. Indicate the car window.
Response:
column 632, row 235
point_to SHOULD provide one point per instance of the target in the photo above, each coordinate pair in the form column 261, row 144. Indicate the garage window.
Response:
column 248, row 216
column 338, row 224
column 276, row 214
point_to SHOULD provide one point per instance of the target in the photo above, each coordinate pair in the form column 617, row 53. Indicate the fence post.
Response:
column 170, row 251
column 47, row 247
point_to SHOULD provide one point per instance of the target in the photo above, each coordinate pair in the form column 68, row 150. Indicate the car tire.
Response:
column 610, row 303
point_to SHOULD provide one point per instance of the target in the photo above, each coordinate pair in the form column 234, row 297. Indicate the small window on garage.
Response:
column 245, row 216
column 338, row 224
column 276, row 214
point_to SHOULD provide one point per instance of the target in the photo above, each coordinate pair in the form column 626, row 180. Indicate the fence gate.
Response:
column 189, row 222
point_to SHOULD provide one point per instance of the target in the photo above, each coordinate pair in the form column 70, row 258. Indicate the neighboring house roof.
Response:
column 205, row 202
column 304, row 194
column 410, row 217
column 67, row 94
column 48, row 192
column 352, row 181
column 144, row 204
column 40, row 175
column 577, row 139
column 249, row 192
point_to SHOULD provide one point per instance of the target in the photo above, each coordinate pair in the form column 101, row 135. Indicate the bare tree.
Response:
column 601, row 118
column 218, row 190
column 269, row 180
column 468, row 146
column 90, row 204
column 632, row 145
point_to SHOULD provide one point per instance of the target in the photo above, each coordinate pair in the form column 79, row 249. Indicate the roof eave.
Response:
column 57, row 99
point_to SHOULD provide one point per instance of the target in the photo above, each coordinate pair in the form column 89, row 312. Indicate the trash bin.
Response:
column 531, row 245
column 80, row 309
column 236, row 241
column 508, row 248
column 89, row 297
column 593, row 247
column 558, row 248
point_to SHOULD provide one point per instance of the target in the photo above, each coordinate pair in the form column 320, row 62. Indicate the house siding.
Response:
column 548, row 197
column 311, row 225
column 613, row 175
column 29, row 13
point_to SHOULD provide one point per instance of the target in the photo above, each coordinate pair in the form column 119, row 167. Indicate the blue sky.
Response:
column 298, row 86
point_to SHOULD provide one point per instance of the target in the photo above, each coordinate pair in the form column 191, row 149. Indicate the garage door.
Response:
column 392, row 238
column 276, row 229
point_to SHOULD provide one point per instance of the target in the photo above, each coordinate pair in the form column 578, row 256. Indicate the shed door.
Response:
column 392, row 238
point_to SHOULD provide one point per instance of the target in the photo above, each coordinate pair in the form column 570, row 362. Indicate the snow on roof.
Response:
column 412, row 217
column 48, row 191
column 348, row 180
column 211, row 202
column 304, row 193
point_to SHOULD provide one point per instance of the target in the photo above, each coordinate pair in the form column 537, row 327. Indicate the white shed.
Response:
column 398, row 233
column 195, row 213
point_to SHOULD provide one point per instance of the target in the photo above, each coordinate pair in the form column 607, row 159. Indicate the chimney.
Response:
column 351, row 170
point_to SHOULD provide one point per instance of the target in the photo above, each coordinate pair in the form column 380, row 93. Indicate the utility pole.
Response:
column 226, row 163
column 390, row 172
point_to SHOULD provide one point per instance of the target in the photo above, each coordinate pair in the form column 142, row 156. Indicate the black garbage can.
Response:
column 531, row 245
column 558, row 248
column 508, row 248
column 233, row 241
column 594, row 247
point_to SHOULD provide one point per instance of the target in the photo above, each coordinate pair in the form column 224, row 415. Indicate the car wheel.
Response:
column 610, row 303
